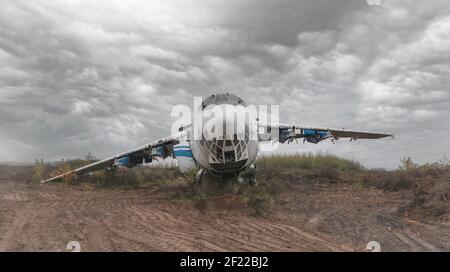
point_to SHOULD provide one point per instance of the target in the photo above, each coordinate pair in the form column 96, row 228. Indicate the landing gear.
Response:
column 248, row 176
column 198, row 177
column 251, row 179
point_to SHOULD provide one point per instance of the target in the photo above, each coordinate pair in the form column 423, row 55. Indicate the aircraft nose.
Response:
column 233, row 123
column 227, row 122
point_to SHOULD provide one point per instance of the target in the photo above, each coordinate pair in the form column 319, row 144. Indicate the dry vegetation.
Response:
column 308, row 161
column 277, row 173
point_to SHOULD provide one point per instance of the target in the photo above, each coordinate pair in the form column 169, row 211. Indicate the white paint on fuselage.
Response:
column 201, row 153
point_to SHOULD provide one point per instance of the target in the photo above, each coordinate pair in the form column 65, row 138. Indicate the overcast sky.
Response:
column 81, row 76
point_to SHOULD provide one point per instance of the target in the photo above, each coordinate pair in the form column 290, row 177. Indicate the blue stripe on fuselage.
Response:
column 183, row 153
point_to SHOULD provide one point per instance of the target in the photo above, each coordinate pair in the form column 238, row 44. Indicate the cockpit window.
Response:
column 223, row 151
column 226, row 98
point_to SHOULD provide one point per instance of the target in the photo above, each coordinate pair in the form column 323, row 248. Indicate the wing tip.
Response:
column 388, row 135
column 54, row 178
column 47, row 180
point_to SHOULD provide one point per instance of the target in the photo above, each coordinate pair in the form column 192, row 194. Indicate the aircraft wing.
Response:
column 160, row 148
column 289, row 132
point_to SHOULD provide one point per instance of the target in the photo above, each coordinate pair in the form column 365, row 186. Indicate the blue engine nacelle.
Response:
column 183, row 154
column 125, row 162
column 309, row 135
column 315, row 136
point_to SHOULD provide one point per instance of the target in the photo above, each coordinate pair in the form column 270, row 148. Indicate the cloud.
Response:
column 80, row 76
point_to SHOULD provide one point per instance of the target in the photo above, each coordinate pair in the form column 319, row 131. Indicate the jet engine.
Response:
column 126, row 161
column 183, row 154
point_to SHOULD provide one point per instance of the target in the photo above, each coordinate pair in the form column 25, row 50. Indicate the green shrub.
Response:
column 38, row 171
column 64, row 168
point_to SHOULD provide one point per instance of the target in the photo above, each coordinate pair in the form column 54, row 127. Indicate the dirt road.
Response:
column 315, row 218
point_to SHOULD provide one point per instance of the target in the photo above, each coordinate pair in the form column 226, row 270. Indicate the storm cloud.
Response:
column 81, row 76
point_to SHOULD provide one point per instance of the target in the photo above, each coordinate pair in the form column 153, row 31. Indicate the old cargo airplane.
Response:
column 221, row 152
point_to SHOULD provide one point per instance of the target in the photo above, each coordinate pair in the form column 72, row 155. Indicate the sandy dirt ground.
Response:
column 313, row 217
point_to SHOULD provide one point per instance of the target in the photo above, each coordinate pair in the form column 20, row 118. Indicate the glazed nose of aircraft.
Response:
column 226, row 135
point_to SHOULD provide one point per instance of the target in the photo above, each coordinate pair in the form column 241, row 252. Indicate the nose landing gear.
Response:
column 248, row 176
column 198, row 177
